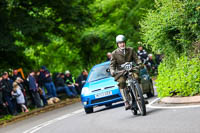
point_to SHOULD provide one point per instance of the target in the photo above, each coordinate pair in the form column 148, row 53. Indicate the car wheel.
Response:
column 151, row 90
column 88, row 110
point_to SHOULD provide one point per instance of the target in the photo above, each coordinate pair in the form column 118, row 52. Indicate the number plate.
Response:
column 107, row 93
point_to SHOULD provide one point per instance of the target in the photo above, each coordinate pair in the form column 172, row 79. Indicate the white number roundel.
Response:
column 128, row 67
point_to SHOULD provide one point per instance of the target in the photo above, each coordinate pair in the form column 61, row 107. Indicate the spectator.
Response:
column 159, row 58
column 3, row 105
column 17, row 92
column 20, row 81
column 41, row 87
column 142, row 54
column 70, row 81
column 150, row 64
column 15, row 75
column 81, row 80
column 46, row 79
column 60, row 85
column 33, row 89
column 109, row 54
column 7, row 89
column 21, row 85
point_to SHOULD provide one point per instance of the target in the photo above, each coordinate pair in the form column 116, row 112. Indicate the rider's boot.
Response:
column 125, row 98
column 127, row 105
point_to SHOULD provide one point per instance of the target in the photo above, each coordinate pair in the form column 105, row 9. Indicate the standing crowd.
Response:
column 18, row 93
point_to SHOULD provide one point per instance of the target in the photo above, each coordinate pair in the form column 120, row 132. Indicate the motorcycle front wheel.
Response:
column 139, row 98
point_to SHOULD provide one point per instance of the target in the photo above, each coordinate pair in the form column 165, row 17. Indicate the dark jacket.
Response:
column 42, row 79
column 150, row 63
column 1, row 94
column 1, row 97
column 118, row 58
column 49, row 78
column 14, row 77
column 81, row 80
column 32, row 83
column 60, row 82
column 6, row 87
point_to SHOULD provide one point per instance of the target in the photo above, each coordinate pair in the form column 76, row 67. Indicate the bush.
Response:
column 181, row 76
column 172, row 27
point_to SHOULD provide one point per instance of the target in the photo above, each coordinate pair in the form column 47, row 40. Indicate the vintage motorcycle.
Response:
column 135, row 95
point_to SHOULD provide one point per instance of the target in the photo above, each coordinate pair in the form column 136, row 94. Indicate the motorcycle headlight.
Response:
column 85, row 91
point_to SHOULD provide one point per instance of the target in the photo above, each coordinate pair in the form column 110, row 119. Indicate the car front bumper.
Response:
column 90, row 100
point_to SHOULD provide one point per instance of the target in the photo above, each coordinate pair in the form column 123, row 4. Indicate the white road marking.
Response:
column 42, row 125
column 171, row 107
column 150, row 105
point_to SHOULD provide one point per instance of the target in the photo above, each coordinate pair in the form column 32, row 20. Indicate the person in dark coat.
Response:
column 34, row 89
column 151, row 64
column 60, row 85
column 3, row 105
column 7, row 90
column 39, row 79
column 80, row 81
column 46, row 79
column 16, row 74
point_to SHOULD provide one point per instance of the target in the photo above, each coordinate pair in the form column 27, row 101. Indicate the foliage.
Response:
column 181, row 76
column 172, row 27
column 7, row 117
column 72, row 34
column 110, row 18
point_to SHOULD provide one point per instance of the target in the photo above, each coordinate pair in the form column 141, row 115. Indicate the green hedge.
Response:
column 172, row 26
column 181, row 76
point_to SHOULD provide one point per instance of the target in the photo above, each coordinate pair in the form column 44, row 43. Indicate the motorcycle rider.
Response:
column 119, row 56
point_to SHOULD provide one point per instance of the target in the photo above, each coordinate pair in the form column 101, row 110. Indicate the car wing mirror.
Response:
column 108, row 70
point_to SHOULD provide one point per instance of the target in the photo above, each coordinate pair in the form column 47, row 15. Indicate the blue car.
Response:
column 100, row 88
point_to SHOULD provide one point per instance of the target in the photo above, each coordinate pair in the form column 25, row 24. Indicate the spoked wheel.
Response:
column 131, row 102
column 139, row 99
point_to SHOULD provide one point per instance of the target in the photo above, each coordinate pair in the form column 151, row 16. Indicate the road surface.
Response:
column 72, row 119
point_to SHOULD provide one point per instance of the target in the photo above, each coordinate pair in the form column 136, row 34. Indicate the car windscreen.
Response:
column 99, row 72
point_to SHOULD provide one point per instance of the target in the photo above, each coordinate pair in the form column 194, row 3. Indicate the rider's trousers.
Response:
column 122, row 86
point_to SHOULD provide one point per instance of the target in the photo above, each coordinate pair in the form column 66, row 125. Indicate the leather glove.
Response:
column 113, row 73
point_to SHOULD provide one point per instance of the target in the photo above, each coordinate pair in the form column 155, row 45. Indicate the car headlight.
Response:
column 85, row 91
column 116, row 85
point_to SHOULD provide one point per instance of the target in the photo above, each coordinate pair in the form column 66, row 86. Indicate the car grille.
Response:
column 96, row 90
column 109, row 87
column 103, row 88
column 104, row 99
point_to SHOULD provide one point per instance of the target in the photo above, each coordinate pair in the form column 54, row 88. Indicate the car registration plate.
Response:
column 107, row 93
